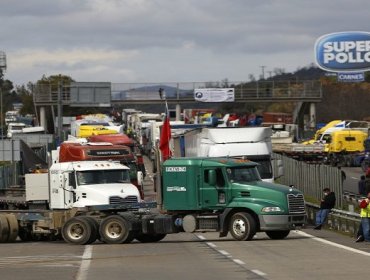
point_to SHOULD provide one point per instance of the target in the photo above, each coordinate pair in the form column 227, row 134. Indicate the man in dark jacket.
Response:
column 327, row 203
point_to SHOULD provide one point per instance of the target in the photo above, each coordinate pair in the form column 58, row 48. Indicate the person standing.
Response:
column 327, row 203
column 364, row 230
column 362, row 186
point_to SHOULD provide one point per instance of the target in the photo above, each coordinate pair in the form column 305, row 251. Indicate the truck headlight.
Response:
column 271, row 209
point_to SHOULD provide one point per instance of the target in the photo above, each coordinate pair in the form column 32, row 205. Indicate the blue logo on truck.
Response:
column 343, row 51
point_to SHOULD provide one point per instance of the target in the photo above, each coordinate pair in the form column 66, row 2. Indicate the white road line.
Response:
column 354, row 178
column 223, row 252
column 333, row 244
column 210, row 244
column 226, row 254
column 51, row 260
column 85, row 263
column 258, row 272
column 237, row 261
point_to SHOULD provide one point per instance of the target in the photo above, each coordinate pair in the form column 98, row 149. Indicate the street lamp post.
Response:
column 2, row 68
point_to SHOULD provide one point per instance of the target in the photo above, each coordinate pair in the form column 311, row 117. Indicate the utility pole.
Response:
column 270, row 74
column 263, row 71
column 2, row 68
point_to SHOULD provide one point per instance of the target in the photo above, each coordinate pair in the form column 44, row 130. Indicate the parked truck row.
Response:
column 212, row 186
column 85, row 201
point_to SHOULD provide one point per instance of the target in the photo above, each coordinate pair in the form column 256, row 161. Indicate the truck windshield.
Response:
column 93, row 177
column 264, row 166
column 242, row 174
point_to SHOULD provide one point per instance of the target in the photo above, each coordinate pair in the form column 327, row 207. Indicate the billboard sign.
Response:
column 90, row 94
column 214, row 94
column 351, row 77
column 343, row 51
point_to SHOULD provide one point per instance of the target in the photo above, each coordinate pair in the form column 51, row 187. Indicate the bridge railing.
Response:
column 243, row 90
column 48, row 93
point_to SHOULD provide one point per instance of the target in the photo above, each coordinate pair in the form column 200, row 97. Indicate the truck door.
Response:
column 69, row 186
column 213, row 188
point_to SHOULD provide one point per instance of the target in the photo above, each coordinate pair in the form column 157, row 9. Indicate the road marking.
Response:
column 333, row 244
column 354, row 178
column 223, row 252
column 85, row 263
column 258, row 272
column 210, row 244
column 41, row 260
column 237, row 261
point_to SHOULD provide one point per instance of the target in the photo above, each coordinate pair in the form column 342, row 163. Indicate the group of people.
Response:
column 328, row 202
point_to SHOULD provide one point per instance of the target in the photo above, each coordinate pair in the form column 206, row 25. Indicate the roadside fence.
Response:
column 311, row 179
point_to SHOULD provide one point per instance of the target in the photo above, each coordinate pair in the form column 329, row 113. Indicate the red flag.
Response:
column 164, row 142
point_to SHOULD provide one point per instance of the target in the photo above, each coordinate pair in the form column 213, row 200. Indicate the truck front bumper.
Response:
column 281, row 222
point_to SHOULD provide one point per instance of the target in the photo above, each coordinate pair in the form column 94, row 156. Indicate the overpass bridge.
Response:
column 305, row 93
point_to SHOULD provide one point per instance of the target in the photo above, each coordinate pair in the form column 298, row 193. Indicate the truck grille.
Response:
column 131, row 199
column 296, row 204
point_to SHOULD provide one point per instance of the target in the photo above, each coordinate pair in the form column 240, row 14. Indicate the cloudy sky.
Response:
column 124, row 41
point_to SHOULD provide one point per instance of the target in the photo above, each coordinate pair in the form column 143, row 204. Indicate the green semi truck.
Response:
column 222, row 195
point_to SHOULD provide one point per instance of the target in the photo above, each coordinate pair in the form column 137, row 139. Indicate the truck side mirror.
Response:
column 280, row 169
column 212, row 177
column 140, row 178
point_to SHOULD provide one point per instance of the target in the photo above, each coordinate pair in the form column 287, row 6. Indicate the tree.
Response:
column 26, row 99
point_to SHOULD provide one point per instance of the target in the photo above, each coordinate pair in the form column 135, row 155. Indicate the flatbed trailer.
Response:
column 311, row 153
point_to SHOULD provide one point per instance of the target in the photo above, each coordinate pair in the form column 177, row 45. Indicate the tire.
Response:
column 242, row 226
column 13, row 227
column 4, row 229
column 94, row 228
column 277, row 234
column 25, row 234
column 77, row 231
column 115, row 230
column 146, row 238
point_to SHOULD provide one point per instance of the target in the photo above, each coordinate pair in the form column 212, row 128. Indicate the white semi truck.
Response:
column 253, row 143
column 70, row 201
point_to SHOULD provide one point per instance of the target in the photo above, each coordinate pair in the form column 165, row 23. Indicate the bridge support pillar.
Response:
column 312, row 118
column 43, row 118
column 178, row 112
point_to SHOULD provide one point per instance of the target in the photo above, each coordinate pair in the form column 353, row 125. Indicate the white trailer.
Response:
column 253, row 143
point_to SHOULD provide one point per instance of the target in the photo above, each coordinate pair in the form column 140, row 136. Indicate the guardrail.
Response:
column 342, row 221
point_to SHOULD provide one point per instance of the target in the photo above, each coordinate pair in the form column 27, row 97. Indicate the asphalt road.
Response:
column 304, row 254
column 191, row 256
column 353, row 175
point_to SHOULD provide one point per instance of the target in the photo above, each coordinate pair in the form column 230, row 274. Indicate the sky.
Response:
column 155, row 41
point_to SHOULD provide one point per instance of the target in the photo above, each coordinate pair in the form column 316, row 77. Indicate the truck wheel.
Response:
column 13, row 227
column 277, row 234
column 242, row 226
column 4, row 229
column 25, row 234
column 115, row 230
column 146, row 238
column 94, row 228
column 77, row 231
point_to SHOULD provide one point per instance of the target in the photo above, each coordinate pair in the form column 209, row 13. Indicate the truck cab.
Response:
column 222, row 187
column 89, row 183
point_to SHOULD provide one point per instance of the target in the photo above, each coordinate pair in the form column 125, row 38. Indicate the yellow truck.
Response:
column 341, row 148
column 90, row 130
column 344, row 146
